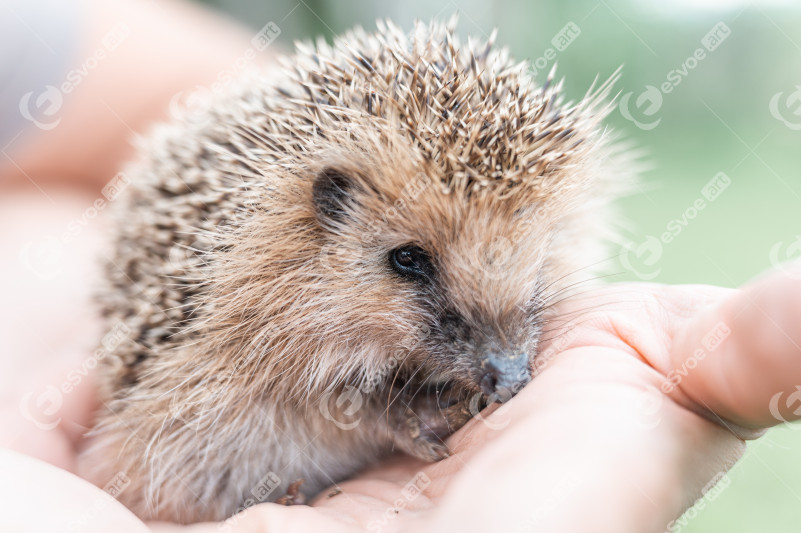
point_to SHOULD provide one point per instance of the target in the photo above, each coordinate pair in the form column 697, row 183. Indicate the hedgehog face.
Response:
column 469, row 271
column 421, row 194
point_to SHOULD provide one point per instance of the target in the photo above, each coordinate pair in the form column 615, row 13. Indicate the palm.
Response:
column 597, row 394
column 593, row 432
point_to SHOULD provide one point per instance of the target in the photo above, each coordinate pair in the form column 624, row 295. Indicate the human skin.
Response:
column 172, row 47
column 593, row 431
column 592, row 444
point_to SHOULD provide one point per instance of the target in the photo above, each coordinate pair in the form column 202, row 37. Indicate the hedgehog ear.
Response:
column 332, row 193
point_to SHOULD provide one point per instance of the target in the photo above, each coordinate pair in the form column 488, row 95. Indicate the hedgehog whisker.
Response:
column 409, row 380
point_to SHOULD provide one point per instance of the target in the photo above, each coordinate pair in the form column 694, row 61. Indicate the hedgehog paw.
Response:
column 293, row 495
column 423, row 422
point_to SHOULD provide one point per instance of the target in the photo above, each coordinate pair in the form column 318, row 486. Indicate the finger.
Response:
column 48, row 350
column 741, row 359
column 267, row 518
column 585, row 429
column 38, row 497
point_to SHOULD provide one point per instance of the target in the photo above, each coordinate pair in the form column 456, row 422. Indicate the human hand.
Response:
column 600, row 440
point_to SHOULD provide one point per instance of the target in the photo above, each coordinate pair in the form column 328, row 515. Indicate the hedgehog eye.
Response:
column 411, row 261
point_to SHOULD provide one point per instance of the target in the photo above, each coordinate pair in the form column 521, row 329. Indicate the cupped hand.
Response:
column 643, row 397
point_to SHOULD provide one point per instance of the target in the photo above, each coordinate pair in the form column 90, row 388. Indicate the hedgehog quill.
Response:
column 390, row 218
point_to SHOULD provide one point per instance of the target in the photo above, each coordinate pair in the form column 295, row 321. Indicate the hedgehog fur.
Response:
column 250, row 264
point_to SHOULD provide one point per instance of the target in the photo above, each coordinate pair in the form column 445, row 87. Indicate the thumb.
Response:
column 740, row 359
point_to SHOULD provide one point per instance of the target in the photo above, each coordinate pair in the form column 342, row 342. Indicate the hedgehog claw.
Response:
column 293, row 495
column 422, row 424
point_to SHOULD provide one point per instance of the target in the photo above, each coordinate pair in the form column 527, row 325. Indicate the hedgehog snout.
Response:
column 503, row 374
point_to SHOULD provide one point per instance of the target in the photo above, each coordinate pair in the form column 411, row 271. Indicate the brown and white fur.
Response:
column 268, row 330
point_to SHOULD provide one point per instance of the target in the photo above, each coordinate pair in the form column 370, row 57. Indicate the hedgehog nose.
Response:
column 504, row 375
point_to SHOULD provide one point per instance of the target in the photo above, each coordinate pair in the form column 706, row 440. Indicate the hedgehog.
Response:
column 340, row 260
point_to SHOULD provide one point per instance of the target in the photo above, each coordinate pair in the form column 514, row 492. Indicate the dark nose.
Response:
column 504, row 374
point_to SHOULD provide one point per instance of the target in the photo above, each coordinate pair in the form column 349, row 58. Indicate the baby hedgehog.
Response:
column 340, row 261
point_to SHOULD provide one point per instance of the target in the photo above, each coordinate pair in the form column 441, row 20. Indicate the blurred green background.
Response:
column 736, row 111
